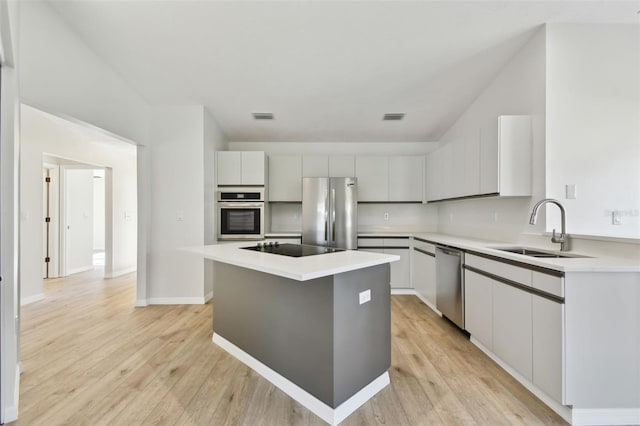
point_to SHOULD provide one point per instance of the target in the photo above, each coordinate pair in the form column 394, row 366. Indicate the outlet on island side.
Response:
column 364, row 296
column 385, row 216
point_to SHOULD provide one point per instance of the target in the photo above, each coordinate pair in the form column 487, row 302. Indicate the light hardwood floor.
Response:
column 91, row 358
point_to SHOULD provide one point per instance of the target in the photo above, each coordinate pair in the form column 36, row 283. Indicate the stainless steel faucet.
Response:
column 563, row 239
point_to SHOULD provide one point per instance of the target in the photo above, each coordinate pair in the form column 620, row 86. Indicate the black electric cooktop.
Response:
column 292, row 250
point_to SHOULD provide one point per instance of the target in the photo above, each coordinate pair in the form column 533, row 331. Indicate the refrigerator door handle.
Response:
column 333, row 214
column 326, row 213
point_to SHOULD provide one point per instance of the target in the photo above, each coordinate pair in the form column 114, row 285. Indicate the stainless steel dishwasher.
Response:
column 450, row 284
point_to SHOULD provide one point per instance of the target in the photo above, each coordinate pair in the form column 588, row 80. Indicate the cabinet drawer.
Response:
column 430, row 248
column 396, row 242
column 370, row 242
column 548, row 283
column 510, row 272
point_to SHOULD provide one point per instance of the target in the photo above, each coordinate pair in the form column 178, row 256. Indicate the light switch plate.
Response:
column 570, row 191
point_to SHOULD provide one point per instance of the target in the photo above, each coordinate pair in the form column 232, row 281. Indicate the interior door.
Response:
column 78, row 224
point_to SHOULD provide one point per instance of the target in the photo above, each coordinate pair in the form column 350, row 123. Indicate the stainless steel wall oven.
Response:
column 241, row 213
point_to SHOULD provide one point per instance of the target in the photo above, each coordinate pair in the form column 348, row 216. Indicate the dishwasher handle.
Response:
column 449, row 252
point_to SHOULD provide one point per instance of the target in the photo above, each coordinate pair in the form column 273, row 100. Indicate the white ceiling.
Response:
column 328, row 70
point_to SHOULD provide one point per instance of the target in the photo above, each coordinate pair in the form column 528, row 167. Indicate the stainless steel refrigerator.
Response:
column 330, row 212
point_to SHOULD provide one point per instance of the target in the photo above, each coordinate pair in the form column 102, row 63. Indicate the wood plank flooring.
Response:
column 91, row 358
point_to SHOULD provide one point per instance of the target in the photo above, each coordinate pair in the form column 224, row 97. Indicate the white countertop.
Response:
column 296, row 268
column 571, row 264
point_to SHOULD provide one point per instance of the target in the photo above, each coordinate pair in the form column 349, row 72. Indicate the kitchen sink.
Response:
column 525, row 251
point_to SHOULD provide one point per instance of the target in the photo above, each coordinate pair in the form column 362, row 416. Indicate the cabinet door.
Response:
column 315, row 166
column 229, row 167
column 478, row 307
column 423, row 275
column 252, row 168
column 489, row 158
column 400, row 270
column 547, row 346
column 457, row 173
column 471, row 170
column 406, row 178
column 342, row 166
column 285, row 178
column 433, row 176
column 447, row 176
column 512, row 329
column 373, row 178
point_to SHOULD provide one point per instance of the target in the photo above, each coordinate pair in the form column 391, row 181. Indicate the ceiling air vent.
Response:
column 262, row 115
column 393, row 116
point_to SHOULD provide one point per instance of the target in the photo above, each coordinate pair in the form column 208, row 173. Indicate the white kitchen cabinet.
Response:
column 240, row 167
column 400, row 270
column 547, row 330
column 493, row 160
column 315, row 166
column 342, row 166
column 478, row 310
column 512, row 329
column 505, row 156
column 423, row 271
column 285, row 178
column 406, row 178
column 434, row 178
column 373, row 178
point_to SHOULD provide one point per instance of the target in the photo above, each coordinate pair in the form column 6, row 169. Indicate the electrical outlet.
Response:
column 180, row 216
column 570, row 191
column 495, row 217
column 385, row 216
column 364, row 296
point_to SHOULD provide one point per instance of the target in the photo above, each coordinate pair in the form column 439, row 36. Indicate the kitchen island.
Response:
column 317, row 327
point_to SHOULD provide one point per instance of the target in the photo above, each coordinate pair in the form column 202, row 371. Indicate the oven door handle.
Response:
column 234, row 204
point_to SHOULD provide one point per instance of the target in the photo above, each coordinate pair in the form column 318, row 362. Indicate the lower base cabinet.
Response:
column 512, row 330
column 547, row 339
column 478, row 296
column 400, row 270
column 423, row 271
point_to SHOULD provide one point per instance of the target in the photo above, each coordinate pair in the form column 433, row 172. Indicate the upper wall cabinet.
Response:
column 328, row 166
column 494, row 160
column 285, row 178
column 240, row 167
column 390, row 179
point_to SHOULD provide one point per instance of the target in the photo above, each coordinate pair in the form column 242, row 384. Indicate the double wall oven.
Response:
column 241, row 213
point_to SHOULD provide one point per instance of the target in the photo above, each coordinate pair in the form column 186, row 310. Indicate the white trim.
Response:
column 31, row 299
column 428, row 303
column 208, row 296
column 606, row 416
column 176, row 301
column 319, row 408
column 120, row 272
column 140, row 303
column 562, row 410
column 78, row 270
column 10, row 414
column 403, row 291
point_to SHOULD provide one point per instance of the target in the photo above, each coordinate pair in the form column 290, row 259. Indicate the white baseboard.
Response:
column 31, row 299
column 80, row 269
column 176, row 301
column 428, row 303
column 402, row 291
column 140, row 303
column 562, row 410
column 208, row 296
column 605, row 416
column 120, row 272
column 10, row 414
column 333, row 416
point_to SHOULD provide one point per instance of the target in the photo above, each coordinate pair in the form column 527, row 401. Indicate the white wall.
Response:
column 214, row 140
column 519, row 88
column 402, row 217
column 60, row 74
column 41, row 133
column 98, row 210
column 593, row 126
column 177, row 205
column 78, row 208
column 9, row 178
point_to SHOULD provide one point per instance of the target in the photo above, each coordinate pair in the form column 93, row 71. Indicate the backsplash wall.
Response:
column 287, row 217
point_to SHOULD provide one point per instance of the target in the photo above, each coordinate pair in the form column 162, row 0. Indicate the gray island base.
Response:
column 320, row 340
